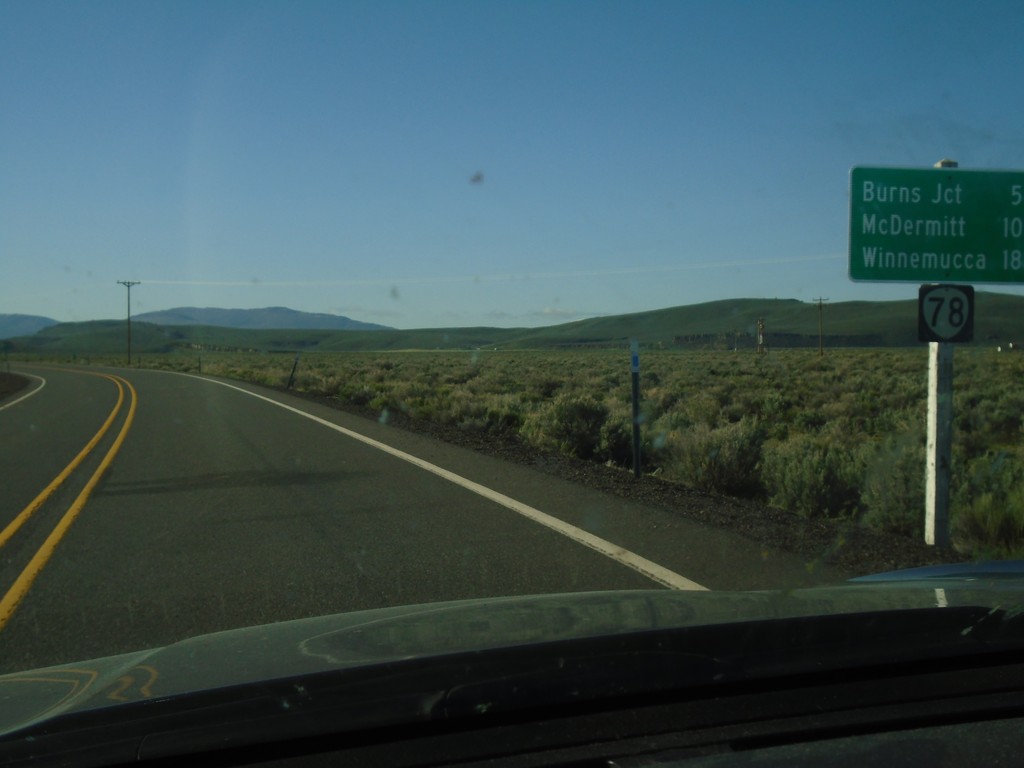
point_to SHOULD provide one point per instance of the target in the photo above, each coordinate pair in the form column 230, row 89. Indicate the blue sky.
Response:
column 434, row 164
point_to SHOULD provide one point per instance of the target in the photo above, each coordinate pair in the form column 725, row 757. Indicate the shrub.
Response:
column 811, row 476
column 724, row 459
column 893, row 486
column 992, row 525
column 988, row 506
column 547, row 387
column 702, row 408
column 617, row 437
column 572, row 423
column 504, row 414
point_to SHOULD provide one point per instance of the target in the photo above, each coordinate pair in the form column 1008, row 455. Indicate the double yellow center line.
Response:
column 19, row 589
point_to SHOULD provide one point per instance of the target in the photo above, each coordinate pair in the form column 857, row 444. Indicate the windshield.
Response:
column 310, row 308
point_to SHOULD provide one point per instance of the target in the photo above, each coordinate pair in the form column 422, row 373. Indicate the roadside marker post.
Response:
column 291, row 376
column 634, row 350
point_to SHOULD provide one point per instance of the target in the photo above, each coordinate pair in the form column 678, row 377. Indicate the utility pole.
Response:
column 821, row 328
column 128, row 284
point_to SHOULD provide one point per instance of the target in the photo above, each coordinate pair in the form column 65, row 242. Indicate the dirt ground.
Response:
column 10, row 383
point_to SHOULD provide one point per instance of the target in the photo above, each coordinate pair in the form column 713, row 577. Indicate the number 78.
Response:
column 956, row 310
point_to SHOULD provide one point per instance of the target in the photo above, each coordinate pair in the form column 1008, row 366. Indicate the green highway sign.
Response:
column 936, row 225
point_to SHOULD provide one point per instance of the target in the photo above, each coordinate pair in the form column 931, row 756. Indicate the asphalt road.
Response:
column 218, row 509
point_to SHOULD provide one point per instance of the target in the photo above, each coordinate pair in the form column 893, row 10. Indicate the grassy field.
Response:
column 837, row 436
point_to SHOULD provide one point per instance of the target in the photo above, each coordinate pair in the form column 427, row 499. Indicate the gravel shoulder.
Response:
column 11, row 384
column 848, row 546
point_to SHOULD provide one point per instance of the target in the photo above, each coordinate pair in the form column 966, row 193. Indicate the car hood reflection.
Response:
column 370, row 638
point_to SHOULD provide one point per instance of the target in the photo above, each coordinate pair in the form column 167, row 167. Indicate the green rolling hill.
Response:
column 717, row 324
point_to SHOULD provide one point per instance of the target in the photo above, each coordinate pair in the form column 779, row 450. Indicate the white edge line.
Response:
column 640, row 564
column 42, row 383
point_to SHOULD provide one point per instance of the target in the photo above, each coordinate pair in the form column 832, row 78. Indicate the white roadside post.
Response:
column 940, row 443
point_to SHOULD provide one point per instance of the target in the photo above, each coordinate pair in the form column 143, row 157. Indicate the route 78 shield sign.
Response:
column 945, row 313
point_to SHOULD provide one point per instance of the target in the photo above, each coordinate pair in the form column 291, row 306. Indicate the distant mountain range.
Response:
column 12, row 326
column 270, row 318
column 728, row 324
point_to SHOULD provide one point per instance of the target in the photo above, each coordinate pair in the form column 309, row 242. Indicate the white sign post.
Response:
column 940, row 443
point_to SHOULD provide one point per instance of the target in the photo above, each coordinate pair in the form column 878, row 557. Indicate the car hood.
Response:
column 292, row 649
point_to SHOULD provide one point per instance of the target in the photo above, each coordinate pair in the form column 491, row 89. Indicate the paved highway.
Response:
column 198, row 505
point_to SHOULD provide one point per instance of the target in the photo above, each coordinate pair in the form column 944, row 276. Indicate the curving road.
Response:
column 198, row 505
